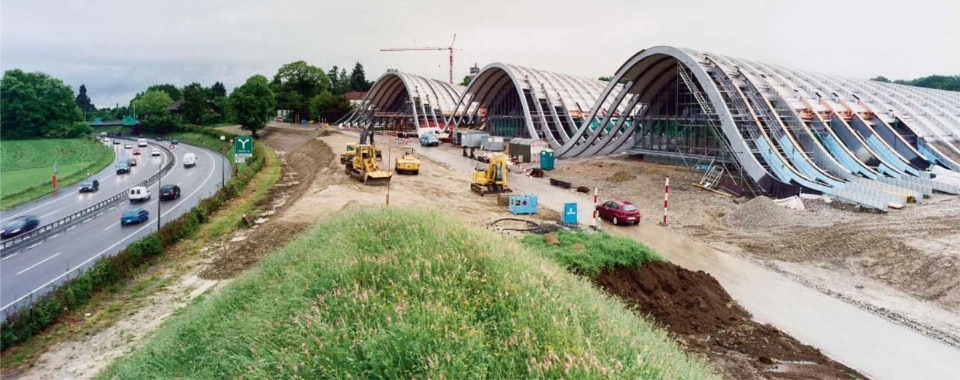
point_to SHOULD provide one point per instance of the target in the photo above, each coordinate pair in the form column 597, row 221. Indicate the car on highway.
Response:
column 106, row 140
column 169, row 192
column 19, row 225
column 619, row 212
column 189, row 160
column 155, row 152
column 136, row 152
column 89, row 186
column 123, row 167
column 116, row 142
column 132, row 162
column 138, row 194
column 142, row 142
column 174, row 142
column 128, row 146
column 134, row 216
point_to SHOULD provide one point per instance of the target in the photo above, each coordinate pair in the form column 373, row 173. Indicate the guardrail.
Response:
column 62, row 224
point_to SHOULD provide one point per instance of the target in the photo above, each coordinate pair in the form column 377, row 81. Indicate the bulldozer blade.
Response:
column 378, row 178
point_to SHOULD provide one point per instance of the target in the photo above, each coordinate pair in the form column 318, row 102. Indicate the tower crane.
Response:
column 448, row 48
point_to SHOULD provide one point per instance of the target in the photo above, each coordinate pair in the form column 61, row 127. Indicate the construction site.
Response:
column 808, row 224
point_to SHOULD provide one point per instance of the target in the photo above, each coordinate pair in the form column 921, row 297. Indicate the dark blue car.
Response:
column 134, row 216
column 19, row 225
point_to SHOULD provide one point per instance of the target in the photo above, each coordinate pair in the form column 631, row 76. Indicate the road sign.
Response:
column 243, row 145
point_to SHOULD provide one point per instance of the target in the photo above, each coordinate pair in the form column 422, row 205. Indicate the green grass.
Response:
column 393, row 293
column 26, row 166
column 588, row 253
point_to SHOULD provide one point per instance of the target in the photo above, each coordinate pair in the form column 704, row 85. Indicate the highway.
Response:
column 39, row 267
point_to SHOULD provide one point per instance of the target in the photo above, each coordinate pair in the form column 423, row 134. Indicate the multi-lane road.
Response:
column 36, row 268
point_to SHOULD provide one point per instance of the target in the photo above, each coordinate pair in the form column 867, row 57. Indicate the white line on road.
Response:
column 110, row 247
column 10, row 256
column 41, row 262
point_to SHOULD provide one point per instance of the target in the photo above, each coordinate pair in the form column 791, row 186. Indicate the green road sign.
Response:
column 243, row 145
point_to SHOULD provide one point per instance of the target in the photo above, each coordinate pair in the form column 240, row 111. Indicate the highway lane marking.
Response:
column 41, row 262
column 110, row 247
column 51, row 212
column 10, row 256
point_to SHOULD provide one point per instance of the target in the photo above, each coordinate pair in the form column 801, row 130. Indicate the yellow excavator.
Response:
column 493, row 178
column 347, row 156
column 407, row 163
column 363, row 165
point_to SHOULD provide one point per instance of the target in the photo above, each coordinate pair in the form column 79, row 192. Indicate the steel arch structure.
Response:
column 517, row 101
column 405, row 102
column 872, row 143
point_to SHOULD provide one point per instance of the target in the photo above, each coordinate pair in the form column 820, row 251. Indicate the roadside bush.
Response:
column 109, row 271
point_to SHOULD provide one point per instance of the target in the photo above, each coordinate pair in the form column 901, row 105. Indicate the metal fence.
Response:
column 51, row 229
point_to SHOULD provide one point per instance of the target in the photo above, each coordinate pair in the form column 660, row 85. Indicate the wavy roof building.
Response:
column 780, row 131
column 401, row 101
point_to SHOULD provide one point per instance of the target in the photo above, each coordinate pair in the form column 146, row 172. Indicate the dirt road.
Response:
column 853, row 336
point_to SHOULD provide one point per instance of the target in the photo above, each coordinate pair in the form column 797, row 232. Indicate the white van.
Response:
column 142, row 142
column 138, row 194
column 189, row 160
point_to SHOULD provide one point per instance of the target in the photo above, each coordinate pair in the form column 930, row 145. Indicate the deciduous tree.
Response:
column 295, row 84
column 37, row 105
column 253, row 103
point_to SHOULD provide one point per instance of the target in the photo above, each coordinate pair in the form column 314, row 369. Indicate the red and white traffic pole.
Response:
column 666, row 198
column 596, row 214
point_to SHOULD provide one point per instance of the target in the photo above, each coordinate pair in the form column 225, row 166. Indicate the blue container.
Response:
column 569, row 213
column 546, row 159
column 523, row 204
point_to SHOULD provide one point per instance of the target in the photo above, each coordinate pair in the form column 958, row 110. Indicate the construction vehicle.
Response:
column 347, row 156
column 363, row 165
column 493, row 178
column 407, row 163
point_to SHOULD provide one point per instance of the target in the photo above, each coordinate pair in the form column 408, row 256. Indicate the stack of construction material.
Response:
column 520, row 148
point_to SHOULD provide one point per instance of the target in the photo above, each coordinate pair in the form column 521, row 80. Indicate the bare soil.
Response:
column 903, row 265
column 699, row 312
column 314, row 187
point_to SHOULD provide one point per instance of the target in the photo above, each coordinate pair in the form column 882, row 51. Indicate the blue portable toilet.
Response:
column 569, row 213
column 523, row 204
column 546, row 159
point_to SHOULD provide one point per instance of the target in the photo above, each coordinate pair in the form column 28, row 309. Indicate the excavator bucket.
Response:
column 377, row 178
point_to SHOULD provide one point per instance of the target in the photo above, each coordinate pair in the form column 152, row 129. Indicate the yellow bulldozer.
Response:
column 362, row 163
column 407, row 163
column 364, row 166
column 347, row 156
column 491, row 179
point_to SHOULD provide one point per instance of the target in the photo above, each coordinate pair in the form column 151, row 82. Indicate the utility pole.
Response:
column 223, row 149
column 448, row 48
column 159, row 185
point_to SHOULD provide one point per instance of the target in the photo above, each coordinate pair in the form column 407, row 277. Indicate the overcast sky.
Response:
column 119, row 47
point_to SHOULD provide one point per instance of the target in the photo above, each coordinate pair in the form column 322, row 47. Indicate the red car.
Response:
column 136, row 152
column 132, row 162
column 619, row 212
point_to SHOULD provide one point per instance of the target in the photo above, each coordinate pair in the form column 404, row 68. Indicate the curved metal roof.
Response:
column 430, row 93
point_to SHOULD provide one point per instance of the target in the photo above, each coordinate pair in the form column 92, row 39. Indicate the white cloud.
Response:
column 120, row 47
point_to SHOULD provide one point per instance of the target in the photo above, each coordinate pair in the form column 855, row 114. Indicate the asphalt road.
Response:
column 35, row 270
column 68, row 200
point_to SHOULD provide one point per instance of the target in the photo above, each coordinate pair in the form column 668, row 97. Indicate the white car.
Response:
column 138, row 194
column 106, row 140
column 155, row 152
column 128, row 146
column 142, row 143
column 189, row 160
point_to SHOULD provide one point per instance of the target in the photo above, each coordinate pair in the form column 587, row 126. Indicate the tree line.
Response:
column 939, row 82
column 36, row 105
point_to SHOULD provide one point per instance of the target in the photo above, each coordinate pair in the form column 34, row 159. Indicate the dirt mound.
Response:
column 699, row 311
column 621, row 176
column 763, row 212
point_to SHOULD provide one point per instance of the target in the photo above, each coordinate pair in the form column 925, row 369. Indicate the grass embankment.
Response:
column 403, row 293
column 124, row 298
column 27, row 166
column 588, row 253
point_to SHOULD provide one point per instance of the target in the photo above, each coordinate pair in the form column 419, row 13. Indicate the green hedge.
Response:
column 109, row 271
